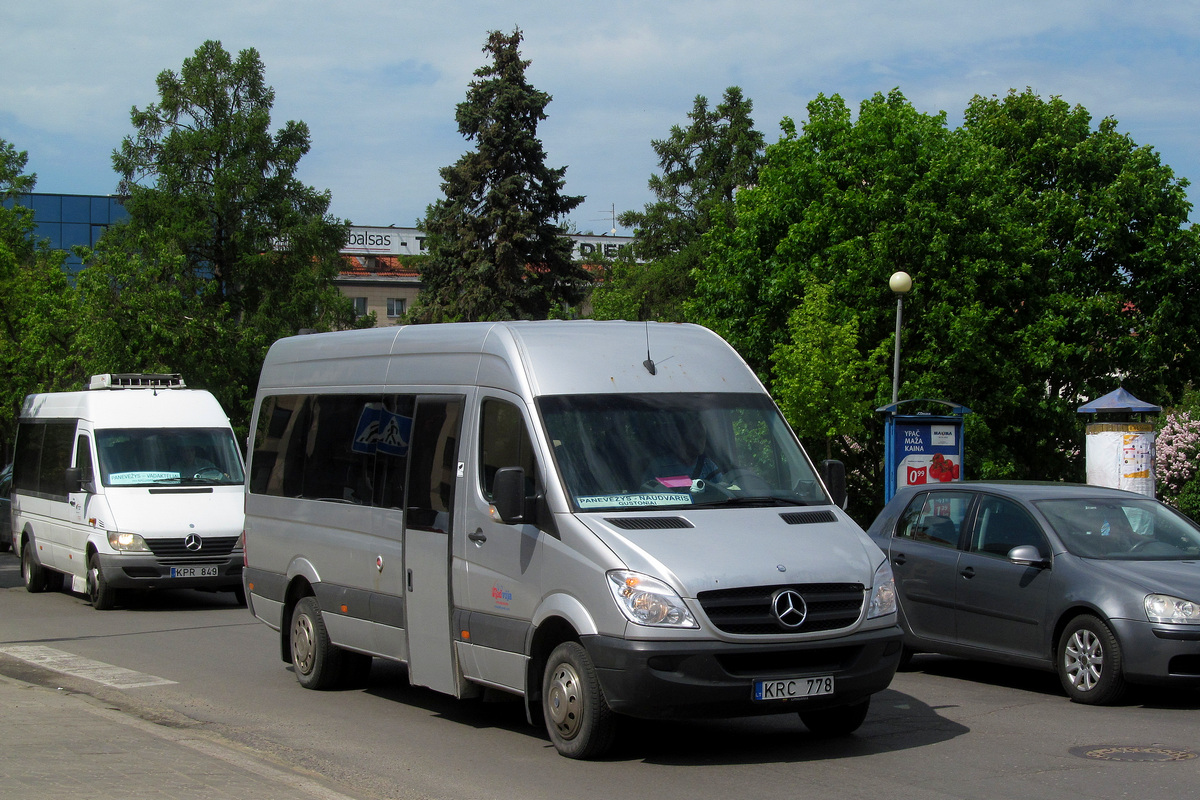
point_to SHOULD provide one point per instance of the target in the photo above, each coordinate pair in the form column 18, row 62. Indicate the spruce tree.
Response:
column 703, row 165
column 497, row 247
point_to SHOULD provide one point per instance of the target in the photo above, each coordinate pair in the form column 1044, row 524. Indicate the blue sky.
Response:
column 377, row 81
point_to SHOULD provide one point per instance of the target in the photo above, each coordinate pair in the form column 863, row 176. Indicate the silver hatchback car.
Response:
column 1100, row 585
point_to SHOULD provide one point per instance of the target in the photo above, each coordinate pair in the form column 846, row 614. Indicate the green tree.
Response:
column 497, row 246
column 37, row 310
column 1049, row 257
column 240, row 251
column 822, row 383
column 703, row 166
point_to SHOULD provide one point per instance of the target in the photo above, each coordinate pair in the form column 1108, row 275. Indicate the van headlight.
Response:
column 1165, row 608
column 648, row 601
column 127, row 542
column 883, row 595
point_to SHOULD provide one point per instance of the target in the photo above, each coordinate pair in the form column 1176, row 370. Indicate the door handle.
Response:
column 409, row 579
column 969, row 572
column 478, row 537
column 899, row 559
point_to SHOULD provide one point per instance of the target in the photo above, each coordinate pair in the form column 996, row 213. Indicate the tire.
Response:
column 578, row 719
column 318, row 662
column 838, row 720
column 100, row 591
column 1089, row 662
column 32, row 573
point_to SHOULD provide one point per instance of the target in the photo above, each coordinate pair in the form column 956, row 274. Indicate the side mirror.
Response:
column 1026, row 554
column 73, row 480
column 833, row 473
column 508, row 496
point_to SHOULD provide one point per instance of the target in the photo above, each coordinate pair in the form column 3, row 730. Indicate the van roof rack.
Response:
column 137, row 380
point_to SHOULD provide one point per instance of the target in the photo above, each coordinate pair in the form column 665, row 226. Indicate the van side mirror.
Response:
column 833, row 472
column 74, row 482
column 508, row 496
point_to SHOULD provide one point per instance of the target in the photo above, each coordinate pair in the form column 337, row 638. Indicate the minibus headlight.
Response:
column 648, row 601
column 1165, row 608
column 127, row 542
column 883, row 595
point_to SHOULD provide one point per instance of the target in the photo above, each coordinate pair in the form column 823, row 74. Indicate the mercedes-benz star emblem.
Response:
column 789, row 608
column 193, row 542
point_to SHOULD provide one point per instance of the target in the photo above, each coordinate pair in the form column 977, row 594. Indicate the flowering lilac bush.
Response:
column 1177, row 462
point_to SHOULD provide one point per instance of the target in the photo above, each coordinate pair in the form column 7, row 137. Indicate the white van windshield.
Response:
column 158, row 456
column 644, row 451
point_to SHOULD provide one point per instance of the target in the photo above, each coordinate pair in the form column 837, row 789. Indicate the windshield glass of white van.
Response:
column 620, row 452
column 170, row 456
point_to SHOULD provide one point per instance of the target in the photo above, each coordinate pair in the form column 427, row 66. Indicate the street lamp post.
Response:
column 901, row 284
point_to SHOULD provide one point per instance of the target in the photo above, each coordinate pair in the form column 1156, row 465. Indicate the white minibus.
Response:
column 134, row 483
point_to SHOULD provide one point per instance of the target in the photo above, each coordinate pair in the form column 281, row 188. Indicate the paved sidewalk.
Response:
column 63, row 745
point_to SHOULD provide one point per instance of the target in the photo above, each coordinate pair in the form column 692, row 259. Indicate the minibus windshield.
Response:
column 170, row 456
column 645, row 451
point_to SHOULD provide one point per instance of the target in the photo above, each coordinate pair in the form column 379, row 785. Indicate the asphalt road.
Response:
column 946, row 729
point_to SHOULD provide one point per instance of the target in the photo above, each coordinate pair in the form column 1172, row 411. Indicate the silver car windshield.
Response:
column 166, row 456
column 1128, row 530
column 621, row 452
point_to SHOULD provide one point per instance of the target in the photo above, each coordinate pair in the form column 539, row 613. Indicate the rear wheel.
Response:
column 100, row 591
column 836, row 721
column 1089, row 662
column 578, row 719
column 32, row 572
column 316, row 659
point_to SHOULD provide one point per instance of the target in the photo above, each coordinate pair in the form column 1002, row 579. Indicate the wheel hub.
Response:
column 563, row 701
column 302, row 645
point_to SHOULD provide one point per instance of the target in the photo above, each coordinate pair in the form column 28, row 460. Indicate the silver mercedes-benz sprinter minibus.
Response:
column 602, row 518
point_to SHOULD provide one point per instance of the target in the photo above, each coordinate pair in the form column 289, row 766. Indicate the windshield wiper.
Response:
column 757, row 501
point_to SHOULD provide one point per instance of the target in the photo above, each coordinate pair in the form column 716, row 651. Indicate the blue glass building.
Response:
column 66, row 220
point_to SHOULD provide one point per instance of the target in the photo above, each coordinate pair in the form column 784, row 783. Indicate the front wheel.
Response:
column 316, row 659
column 578, row 719
column 1089, row 662
column 32, row 573
column 100, row 591
column 836, row 721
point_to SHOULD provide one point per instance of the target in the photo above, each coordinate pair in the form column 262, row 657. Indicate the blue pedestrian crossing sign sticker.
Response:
column 380, row 431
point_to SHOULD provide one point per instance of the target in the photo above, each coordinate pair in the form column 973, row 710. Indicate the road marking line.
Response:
column 80, row 667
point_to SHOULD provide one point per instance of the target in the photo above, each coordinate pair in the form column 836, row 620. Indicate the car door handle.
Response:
column 898, row 559
column 969, row 572
column 478, row 536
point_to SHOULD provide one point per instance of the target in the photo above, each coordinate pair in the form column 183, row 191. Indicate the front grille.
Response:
column 830, row 606
column 213, row 550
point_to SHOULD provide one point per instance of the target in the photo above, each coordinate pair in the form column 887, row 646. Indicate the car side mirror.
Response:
column 833, row 473
column 1028, row 555
column 508, row 496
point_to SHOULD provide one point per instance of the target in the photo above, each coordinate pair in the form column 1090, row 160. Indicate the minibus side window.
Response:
column 26, row 458
column 503, row 442
column 318, row 447
column 83, row 460
column 391, row 452
column 57, row 442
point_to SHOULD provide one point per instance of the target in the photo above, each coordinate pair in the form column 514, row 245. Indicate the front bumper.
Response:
column 682, row 680
column 1156, row 653
column 145, row 571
